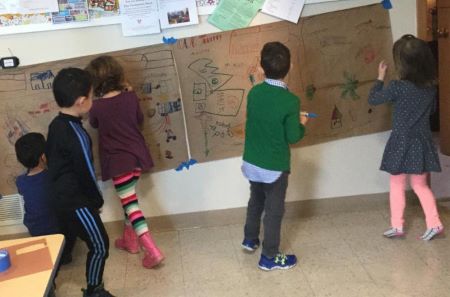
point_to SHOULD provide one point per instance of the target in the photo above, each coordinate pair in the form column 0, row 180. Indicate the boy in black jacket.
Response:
column 74, row 190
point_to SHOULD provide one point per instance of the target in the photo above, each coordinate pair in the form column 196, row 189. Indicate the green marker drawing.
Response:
column 350, row 86
column 310, row 91
column 251, row 78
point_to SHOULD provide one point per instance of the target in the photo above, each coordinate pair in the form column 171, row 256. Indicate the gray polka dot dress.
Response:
column 410, row 148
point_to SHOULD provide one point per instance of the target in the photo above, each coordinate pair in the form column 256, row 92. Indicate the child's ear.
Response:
column 80, row 100
column 261, row 70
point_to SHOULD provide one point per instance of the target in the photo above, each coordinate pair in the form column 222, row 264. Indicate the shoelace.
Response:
column 280, row 258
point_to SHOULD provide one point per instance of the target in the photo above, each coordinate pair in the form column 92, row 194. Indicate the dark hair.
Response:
column 70, row 84
column 275, row 60
column 414, row 61
column 107, row 75
column 29, row 149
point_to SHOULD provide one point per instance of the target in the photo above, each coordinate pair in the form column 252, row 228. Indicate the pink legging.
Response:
column 420, row 186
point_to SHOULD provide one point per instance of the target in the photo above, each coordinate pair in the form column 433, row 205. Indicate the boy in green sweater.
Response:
column 273, row 123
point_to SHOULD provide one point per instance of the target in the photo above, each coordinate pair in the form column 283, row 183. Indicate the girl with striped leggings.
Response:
column 122, row 149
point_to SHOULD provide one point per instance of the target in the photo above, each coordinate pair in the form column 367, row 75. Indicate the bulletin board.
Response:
column 335, row 57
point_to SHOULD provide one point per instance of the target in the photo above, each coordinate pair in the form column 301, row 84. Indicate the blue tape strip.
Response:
column 312, row 115
column 169, row 40
column 386, row 4
column 186, row 164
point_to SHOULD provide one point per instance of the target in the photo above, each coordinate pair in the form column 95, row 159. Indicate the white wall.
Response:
column 339, row 168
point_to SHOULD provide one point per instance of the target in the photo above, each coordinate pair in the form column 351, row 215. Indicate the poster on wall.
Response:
column 139, row 18
column 206, row 7
column 103, row 8
column 71, row 11
column 14, row 20
column 289, row 10
column 177, row 13
column 28, row 6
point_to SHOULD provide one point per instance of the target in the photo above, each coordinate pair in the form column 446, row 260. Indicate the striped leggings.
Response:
column 125, row 186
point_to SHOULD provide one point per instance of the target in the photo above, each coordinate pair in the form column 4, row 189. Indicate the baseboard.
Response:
column 294, row 209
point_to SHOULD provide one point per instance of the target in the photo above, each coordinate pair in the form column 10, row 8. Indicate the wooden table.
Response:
column 33, row 265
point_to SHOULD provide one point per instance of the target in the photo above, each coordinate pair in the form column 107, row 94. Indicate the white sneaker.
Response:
column 432, row 232
column 394, row 232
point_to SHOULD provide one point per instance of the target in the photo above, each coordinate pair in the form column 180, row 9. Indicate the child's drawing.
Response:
column 41, row 80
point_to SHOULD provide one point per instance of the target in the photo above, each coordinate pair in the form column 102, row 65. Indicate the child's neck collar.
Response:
column 70, row 111
column 35, row 170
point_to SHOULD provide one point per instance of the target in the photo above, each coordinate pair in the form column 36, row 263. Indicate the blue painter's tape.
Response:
column 169, row 40
column 386, row 4
column 186, row 164
column 312, row 115
column 5, row 260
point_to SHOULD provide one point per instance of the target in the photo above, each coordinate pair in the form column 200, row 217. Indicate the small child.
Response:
column 410, row 151
column 39, row 217
column 75, row 193
column 122, row 149
column 273, row 122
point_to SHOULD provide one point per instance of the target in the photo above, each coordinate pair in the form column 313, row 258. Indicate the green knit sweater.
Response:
column 272, row 124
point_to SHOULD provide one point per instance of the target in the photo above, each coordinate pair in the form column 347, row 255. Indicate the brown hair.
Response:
column 107, row 75
column 414, row 61
column 275, row 60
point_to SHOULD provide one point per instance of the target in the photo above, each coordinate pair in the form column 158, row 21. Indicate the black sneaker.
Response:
column 99, row 291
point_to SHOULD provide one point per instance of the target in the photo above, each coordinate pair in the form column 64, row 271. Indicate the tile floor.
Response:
column 340, row 254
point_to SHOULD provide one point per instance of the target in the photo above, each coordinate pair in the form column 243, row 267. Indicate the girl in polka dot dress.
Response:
column 410, row 151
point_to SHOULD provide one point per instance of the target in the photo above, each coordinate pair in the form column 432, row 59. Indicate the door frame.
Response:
column 421, row 13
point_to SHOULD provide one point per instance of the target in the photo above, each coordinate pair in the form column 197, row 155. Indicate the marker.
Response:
column 309, row 114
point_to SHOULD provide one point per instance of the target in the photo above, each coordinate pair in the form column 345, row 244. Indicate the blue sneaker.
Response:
column 280, row 261
column 250, row 245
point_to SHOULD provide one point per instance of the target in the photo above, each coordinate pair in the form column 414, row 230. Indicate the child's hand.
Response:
column 303, row 119
column 382, row 67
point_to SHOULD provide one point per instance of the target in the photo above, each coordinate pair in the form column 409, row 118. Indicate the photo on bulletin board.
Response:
column 177, row 13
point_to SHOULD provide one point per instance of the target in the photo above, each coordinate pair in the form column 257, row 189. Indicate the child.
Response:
column 122, row 149
column 272, row 124
column 39, row 218
column 75, row 193
column 410, row 150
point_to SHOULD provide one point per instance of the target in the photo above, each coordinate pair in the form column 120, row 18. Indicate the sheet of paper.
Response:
column 139, row 17
column 71, row 11
column 206, row 6
column 318, row 1
column 235, row 14
column 41, row 6
column 289, row 10
column 177, row 13
column 28, row 6
column 9, row 6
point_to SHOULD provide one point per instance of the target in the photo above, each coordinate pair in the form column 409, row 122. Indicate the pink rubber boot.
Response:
column 129, row 241
column 153, row 255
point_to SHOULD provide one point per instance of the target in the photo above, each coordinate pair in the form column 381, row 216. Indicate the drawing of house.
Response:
column 41, row 80
column 336, row 118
